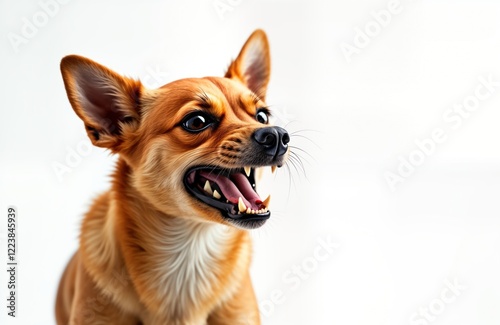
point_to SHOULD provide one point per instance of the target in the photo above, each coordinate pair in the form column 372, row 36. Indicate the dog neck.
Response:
column 172, row 264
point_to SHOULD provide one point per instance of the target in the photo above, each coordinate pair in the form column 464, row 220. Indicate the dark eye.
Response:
column 197, row 122
column 262, row 116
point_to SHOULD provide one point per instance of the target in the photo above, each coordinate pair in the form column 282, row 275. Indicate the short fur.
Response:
column 151, row 253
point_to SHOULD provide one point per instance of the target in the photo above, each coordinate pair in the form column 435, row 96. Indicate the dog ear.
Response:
column 253, row 65
column 106, row 102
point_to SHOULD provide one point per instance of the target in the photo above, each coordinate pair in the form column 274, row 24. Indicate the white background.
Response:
column 360, row 118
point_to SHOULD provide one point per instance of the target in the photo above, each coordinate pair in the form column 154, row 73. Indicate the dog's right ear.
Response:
column 106, row 102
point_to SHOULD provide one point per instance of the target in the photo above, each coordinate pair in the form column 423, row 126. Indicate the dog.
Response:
column 169, row 242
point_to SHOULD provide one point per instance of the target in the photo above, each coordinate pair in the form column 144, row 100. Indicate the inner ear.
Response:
column 253, row 64
column 103, row 103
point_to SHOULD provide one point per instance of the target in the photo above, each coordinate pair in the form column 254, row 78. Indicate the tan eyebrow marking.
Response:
column 209, row 102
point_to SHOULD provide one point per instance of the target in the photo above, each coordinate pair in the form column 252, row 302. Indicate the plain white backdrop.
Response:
column 359, row 86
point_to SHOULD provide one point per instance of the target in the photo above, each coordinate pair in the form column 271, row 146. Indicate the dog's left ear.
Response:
column 253, row 65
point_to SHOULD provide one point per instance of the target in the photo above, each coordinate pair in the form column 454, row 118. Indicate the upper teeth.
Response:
column 241, row 205
column 208, row 188
column 267, row 201
column 248, row 170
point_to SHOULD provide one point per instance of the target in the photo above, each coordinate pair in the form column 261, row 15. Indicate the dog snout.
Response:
column 273, row 140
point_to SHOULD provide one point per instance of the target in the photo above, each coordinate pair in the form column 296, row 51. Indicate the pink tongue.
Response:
column 233, row 189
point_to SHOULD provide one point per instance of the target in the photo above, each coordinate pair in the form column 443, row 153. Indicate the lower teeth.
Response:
column 249, row 211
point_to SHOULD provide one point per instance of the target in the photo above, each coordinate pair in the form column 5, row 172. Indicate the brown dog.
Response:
column 167, row 243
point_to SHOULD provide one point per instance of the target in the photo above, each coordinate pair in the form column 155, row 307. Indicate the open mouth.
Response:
column 232, row 191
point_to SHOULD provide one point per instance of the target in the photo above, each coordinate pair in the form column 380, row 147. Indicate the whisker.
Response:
column 296, row 159
column 305, row 138
column 290, row 181
column 306, row 130
column 303, row 151
column 293, row 162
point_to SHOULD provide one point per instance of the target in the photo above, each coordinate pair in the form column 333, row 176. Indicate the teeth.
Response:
column 241, row 206
column 248, row 211
column 216, row 195
column 208, row 188
column 266, row 201
column 273, row 169
column 248, row 170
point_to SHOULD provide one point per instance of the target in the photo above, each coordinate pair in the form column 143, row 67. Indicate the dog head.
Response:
column 194, row 146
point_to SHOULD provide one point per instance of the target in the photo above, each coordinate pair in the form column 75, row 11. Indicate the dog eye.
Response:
column 262, row 116
column 197, row 122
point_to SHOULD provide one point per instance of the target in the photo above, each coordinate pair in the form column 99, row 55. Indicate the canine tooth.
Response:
column 267, row 201
column 248, row 170
column 273, row 169
column 241, row 206
column 216, row 195
column 208, row 188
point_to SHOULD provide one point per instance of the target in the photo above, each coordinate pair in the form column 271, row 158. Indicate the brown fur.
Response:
column 133, row 235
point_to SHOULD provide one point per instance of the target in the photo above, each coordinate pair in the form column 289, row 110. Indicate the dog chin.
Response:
column 247, row 224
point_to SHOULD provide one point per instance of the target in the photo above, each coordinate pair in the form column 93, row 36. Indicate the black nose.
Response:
column 273, row 139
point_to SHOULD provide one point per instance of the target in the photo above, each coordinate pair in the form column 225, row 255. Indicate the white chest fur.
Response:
column 189, row 263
